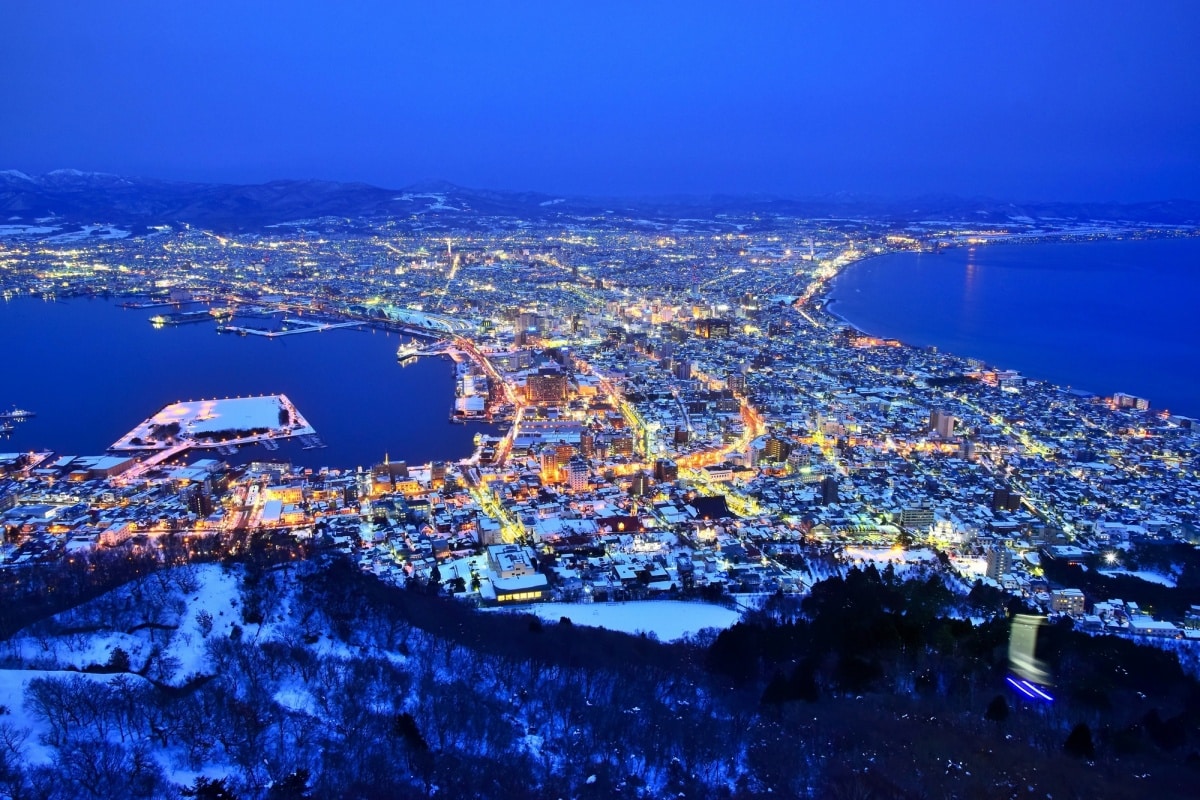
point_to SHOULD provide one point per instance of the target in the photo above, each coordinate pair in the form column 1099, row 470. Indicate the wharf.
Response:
column 308, row 328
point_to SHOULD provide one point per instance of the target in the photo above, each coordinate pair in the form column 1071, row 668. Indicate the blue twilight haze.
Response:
column 1022, row 100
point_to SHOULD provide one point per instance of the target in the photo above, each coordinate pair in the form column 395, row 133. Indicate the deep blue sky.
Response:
column 1025, row 100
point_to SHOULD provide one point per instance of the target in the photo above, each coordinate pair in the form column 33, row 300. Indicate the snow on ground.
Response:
column 12, row 697
column 881, row 556
column 970, row 567
column 24, row 230
column 668, row 619
column 218, row 589
column 229, row 414
column 77, row 650
column 296, row 699
column 215, row 592
column 1146, row 575
column 90, row 233
column 242, row 413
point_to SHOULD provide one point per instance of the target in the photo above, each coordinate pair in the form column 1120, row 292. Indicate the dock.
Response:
column 308, row 328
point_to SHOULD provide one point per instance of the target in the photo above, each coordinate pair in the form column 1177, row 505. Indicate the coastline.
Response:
column 1062, row 345
column 823, row 294
column 308, row 369
column 824, row 297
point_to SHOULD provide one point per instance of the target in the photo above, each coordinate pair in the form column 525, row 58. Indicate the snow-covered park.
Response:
column 667, row 619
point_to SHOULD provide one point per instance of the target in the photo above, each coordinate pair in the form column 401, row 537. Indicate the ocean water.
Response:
column 1103, row 316
column 92, row 370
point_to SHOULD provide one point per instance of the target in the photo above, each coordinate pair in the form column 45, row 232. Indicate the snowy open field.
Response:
column 667, row 619
column 214, row 416
column 89, row 233
column 202, row 418
column 969, row 567
column 1152, row 577
column 25, row 230
column 882, row 556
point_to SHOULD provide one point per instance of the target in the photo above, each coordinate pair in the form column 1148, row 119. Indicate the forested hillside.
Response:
column 278, row 677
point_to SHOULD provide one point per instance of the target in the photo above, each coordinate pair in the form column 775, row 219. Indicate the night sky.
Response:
column 1020, row 100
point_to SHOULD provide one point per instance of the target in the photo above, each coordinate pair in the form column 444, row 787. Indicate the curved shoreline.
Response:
column 1148, row 383
column 823, row 295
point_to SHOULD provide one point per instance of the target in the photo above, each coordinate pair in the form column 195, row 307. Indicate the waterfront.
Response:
column 1103, row 316
column 91, row 370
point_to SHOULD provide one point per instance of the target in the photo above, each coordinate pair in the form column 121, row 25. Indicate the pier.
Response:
column 308, row 328
column 222, row 425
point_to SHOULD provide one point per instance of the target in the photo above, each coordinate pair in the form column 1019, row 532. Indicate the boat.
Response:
column 6, row 427
column 17, row 414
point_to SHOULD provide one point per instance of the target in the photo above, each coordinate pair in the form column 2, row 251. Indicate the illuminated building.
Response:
column 1067, row 601
column 919, row 518
column 665, row 470
column 712, row 328
column 577, row 474
column 775, row 449
column 546, row 386
column 1122, row 400
column 999, row 562
column 515, row 578
column 681, row 370
column 621, row 445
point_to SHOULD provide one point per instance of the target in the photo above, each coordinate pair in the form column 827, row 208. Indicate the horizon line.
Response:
column 842, row 195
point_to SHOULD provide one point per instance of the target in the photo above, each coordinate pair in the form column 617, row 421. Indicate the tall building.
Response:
column 1122, row 400
column 712, row 328
column 199, row 502
column 665, row 470
column 829, row 490
column 942, row 424
column 917, row 518
column 999, row 562
column 577, row 474
column 622, row 445
column 681, row 370
column 776, row 449
column 550, row 463
column 529, row 323
column 1005, row 500
column 547, row 386
column 736, row 381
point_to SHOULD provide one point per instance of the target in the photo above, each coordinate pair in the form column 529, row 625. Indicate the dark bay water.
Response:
column 92, row 370
column 1104, row 316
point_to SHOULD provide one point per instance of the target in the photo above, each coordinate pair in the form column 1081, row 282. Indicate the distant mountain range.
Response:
column 83, row 198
